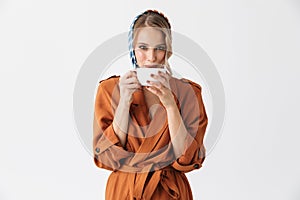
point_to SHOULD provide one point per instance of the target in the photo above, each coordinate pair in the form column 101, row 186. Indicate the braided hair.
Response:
column 151, row 18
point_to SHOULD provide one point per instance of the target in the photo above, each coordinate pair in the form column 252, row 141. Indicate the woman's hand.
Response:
column 162, row 89
column 128, row 84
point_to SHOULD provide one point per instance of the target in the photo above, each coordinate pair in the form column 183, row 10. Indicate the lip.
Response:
column 154, row 66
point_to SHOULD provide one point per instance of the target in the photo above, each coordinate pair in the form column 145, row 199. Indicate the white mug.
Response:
column 143, row 74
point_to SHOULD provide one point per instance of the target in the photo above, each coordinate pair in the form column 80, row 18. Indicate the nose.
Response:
column 151, row 55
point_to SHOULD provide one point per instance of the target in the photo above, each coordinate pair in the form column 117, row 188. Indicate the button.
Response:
column 97, row 150
column 196, row 166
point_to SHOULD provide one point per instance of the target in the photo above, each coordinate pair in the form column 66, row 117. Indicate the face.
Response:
column 150, row 47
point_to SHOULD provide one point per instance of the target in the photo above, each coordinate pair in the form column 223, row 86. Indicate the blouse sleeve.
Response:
column 195, row 120
column 108, row 151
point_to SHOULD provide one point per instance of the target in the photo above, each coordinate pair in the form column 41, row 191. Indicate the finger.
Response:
column 131, row 80
column 159, row 78
column 156, row 84
column 166, row 74
column 129, row 74
column 133, row 86
column 154, row 90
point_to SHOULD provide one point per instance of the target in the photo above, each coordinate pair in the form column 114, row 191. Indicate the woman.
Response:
column 149, row 136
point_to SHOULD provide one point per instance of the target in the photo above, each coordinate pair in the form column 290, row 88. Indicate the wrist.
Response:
column 123, row 103
column 172, row 106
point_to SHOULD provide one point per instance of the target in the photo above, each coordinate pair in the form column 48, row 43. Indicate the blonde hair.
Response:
column 155, row 19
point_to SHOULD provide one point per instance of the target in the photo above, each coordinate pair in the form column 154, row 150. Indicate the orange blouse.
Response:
column 146, row 168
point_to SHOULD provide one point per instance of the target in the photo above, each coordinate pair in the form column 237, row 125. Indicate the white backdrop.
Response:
column 254, row 44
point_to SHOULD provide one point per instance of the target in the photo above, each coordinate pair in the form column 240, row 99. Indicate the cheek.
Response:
column 140, row 56
column 161, row 55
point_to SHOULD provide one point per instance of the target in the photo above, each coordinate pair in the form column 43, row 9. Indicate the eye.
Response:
column 160, row 48
column 143, row 47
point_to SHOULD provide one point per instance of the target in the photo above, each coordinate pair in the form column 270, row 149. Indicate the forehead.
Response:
column 149, row 35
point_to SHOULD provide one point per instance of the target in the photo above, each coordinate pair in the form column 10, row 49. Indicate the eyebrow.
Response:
column 148, row 44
